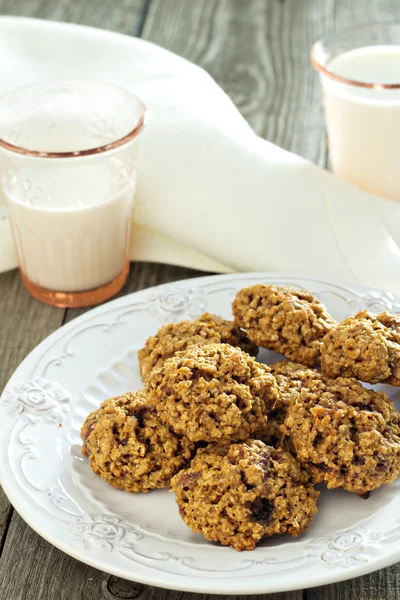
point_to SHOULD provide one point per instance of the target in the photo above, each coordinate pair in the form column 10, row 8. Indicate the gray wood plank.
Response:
column 124, row 16
column 381, row 585
column 258, row 52
column 5, row 517
column 356, row 12
column 32, row 569
column 24, row 323
column 144, row 275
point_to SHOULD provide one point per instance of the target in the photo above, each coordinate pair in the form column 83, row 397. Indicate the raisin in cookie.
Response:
column 365, row 346
column 344, row 434
column 241, row 493
column 283, row 319
column 176, row 337
column 130, row 448
column 212, row 393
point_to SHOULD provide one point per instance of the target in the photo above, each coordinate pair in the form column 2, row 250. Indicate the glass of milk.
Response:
column 360, row 76
column 68, row 165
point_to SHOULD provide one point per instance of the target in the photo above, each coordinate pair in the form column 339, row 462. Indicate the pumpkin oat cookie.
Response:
column 289, row 377
column 280, row 318
column 365, row 346
column 176, row 337
column 212, row 393
column 130, row 448
column 238, row 494
column 344, row 434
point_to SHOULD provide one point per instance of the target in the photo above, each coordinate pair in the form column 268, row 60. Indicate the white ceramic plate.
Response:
column 140, row 536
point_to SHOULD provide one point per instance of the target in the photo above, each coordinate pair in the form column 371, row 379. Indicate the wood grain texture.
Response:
column 356, row 12
column 124, row 16
column 6, row 511
column 144, row 275
column 258, row 51
column 41, row 572
column 381, row 585
column 24, row 323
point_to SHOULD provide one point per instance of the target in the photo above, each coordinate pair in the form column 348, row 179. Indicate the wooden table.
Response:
column 258, row 51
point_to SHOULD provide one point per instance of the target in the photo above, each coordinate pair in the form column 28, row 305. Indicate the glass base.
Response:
column 77, row 299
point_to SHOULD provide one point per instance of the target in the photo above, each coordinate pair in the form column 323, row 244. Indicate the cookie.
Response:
column 280, row 318
column 289, row 377
column 130, row 448
column 238, row 494
column 212, row 393
column 365, row 346
column 344, row 434
column 176, row 337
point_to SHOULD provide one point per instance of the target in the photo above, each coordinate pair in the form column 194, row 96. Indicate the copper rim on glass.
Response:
column 328, row 48
column 359, row 71
column 68, row 160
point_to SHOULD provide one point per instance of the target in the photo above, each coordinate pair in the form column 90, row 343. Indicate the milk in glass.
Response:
column 72, row 235
column 363, row 124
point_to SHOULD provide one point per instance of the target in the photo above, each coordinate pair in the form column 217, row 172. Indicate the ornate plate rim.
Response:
column 150, row 575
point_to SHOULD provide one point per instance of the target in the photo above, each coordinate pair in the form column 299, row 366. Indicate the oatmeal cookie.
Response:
column 241, row 493
column 283, row 319
column 212, row 393
column 365, row 346
column 344, row 434
column 130, row 448
column 176, row 337
column 289, row 377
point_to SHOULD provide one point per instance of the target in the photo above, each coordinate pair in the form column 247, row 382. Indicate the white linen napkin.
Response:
column 211, row 194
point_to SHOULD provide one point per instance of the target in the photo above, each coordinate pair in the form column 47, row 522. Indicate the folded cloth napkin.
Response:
column 211, row 194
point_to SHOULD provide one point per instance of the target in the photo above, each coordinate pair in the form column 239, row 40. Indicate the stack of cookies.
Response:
column 241, row 443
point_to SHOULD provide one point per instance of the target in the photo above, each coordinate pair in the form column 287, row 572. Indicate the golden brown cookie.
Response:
column 130, row 448
column 289, row 377
column 283, row 319
column 344, row 434
column 176, row 337
column 212, row 393
column 365, row 346
column 238, row 494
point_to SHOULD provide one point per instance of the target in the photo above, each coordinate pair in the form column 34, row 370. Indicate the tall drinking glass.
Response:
column 68, row 163
column 360, row 76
